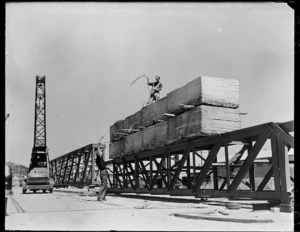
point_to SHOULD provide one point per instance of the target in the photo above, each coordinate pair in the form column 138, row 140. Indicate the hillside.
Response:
column 18, row 169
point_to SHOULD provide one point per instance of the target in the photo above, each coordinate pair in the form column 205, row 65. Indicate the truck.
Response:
column 39, row 176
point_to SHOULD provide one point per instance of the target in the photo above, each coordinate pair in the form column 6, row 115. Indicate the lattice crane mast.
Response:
column 39, row 171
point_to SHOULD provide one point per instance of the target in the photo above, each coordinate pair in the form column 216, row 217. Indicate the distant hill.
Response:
column 18, row 169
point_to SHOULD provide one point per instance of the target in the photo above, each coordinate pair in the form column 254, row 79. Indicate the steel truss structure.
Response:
column 76, row 168
column 197, row 165
column 40, row 115
column 159, row 171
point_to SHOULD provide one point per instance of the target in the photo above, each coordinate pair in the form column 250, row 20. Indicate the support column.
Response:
column 284, row 173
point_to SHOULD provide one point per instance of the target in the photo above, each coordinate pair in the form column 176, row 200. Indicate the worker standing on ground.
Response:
column 156, row 88
column 8, row 185
column 103, row 174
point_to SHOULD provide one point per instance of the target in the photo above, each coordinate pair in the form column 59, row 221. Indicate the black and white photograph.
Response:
column 149, row 116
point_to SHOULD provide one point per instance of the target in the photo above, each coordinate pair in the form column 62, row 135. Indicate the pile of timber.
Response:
column 205, row 106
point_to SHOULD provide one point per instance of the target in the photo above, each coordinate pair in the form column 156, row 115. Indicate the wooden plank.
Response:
column 116, row 128
column 116, row 149
column 204, row 90
column 154, row 112
column 134, row 143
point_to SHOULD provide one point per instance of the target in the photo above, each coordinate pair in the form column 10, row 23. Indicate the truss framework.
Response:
column 195, row 167
column 77, row 168
column 40, row 114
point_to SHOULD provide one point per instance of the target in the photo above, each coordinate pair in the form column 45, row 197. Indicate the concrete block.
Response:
column 134, row 143
column 154, row 112
column 116, row 148
column 133, row 122
column 203, row 121
column 213, row 91
column 116, row 128
column 148, row 138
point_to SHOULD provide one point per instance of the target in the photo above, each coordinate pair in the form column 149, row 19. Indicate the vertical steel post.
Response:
column 87, row 156
column 71, row 168
column 251, row 170
column 227, row 164
column 78, row 166
column 66, row 168
column 284, row 170
column 275, row 162
column 151, row 172
column 93, row 163
column 215, row 175
column 136, row 176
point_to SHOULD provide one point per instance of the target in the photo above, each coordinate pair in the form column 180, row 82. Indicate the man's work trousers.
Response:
column 103, row 187
column 154, row 96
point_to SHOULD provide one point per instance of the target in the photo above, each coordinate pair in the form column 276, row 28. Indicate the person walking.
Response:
column 156, row 88
column 103, row 174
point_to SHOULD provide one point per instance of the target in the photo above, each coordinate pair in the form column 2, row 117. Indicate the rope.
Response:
column 103, row 136
column 135, row 80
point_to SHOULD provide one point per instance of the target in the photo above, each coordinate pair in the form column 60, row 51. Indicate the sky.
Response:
column 91, row 52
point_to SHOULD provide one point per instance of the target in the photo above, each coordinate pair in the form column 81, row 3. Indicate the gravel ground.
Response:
column 73, row 210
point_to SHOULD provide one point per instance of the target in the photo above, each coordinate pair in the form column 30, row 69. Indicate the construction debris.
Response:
column 233, row 206
column 200, row 205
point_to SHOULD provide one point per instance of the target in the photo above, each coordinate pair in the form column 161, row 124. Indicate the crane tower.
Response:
column 39, row 176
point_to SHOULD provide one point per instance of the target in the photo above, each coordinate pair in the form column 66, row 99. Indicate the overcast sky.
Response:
column 91, row 52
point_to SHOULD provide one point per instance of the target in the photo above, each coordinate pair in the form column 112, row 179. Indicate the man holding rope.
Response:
column 156, row 88
column 103, row 174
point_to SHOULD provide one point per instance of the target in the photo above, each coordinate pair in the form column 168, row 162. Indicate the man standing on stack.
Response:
column 156, row 88
column 103, row 174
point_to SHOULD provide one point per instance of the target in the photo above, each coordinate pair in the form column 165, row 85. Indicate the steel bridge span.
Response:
column 225, row 165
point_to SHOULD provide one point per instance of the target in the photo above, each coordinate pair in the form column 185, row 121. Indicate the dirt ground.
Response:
column 69, row 209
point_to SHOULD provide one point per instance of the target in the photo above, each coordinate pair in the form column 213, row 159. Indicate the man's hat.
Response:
column 158, row 77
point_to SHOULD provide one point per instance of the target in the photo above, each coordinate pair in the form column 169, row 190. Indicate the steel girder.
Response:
column 206, row 167
column 76, row 168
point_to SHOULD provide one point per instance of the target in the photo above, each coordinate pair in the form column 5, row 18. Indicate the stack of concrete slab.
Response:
column 205, row 106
